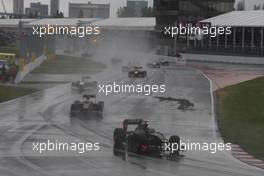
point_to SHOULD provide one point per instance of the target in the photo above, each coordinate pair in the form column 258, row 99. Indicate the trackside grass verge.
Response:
column 69, row 65
column 10, row 92
column 240, row 110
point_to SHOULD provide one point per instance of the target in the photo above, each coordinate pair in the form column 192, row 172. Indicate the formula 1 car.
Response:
column 143, row 140
column 87, row 108
column 158, row 64
column 84, row 84
column 180, row 60
column 137, row 72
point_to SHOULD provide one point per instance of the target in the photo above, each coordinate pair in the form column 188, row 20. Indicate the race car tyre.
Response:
column 76, row 107
column 119, row 137
column 175, row 140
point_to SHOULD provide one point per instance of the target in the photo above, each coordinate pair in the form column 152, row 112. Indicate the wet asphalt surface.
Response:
column 45, row 116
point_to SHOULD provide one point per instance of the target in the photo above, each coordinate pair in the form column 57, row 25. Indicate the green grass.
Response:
column 11, row 92
column 241, row 115
column 69, row 65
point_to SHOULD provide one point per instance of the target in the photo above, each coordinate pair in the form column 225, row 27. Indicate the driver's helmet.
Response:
column 145, row 125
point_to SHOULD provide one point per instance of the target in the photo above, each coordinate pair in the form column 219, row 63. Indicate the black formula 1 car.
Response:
column 143, row 140
column 87, row 108
column 137, row 72
column 84, row 84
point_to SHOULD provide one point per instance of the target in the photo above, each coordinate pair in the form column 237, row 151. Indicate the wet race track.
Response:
column 45, row 116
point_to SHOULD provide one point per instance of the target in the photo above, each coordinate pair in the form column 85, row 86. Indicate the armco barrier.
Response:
column 29, row 67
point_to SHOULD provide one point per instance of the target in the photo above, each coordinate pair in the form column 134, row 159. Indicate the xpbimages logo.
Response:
column 78, row 31
column 80, row 147
column 145, row 89
column 195, row 146
column 191, row 30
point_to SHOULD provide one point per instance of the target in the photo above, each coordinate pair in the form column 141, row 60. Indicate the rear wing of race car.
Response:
column 131, row 122
column 138, row 67
column 89, row 96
